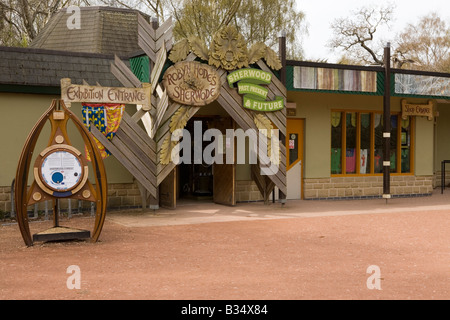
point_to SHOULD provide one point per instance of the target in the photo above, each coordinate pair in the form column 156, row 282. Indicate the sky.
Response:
column 320, row 13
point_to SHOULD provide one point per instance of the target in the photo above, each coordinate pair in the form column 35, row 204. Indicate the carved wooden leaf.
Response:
column 274, row 156
column 180, row 118
column 272, row 59
column 214, row 58
column 179, row 51
column 199, row 48
column 242, row 62
column 263, row 123
column 166, row 150
column 256, row 52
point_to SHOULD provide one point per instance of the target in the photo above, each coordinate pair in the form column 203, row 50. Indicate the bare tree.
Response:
column 356, row 34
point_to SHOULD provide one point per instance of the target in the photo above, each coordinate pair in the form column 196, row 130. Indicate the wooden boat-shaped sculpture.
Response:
column 60, row 172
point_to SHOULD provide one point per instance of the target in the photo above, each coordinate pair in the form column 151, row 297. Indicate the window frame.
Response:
column 398, row 159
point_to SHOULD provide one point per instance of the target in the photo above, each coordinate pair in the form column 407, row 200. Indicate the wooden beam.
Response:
column 124, row 74
column 140, row 133
column 126, row 161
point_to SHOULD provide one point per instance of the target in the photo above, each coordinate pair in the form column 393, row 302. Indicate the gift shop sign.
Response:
column 415, row 109
column 249, row 84
column 192, row 83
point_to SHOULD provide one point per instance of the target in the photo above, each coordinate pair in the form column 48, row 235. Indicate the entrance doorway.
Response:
column 294, row 158
column 195, row 181
column 202, row 181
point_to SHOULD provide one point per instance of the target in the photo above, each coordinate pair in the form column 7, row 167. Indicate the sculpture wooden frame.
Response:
column 58, row 115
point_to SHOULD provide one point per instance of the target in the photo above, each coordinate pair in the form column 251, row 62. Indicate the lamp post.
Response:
column 387, row 123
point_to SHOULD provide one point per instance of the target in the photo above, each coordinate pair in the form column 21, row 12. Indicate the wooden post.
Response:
column 56, row 212
column 282, row 50
column 387, row 123
column 154, row 201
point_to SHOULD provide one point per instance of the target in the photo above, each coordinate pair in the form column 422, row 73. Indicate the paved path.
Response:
column 193, row 212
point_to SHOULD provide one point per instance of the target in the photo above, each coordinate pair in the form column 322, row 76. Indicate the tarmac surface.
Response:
column 344, row 250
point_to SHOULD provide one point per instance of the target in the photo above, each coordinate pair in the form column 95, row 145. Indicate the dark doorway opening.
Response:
column 196, row 179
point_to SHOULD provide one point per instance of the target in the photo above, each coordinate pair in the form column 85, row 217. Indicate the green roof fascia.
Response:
column 15, row 88
column 141, row 67
column 418, row 96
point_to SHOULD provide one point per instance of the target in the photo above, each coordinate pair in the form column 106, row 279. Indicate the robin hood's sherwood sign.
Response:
column 192, row 83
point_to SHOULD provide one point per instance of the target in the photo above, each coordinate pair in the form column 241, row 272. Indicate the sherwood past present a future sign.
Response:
column 255, row 95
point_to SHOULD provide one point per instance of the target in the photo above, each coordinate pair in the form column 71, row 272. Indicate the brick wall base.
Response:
column 126, row 195
column 120, row 196
column 247, row 191
column 438, row 179
column 366, row 187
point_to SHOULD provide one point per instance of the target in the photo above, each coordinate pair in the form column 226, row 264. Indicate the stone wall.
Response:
column 438, row 179
column 247, row 190
column 5, row 200
column 120, row 196
column 366, row 187
column 126, row 195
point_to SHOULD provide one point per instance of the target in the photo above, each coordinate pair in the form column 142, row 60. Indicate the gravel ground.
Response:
column 306, row 250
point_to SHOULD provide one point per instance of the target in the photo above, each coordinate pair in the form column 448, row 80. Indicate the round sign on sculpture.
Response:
column 61, row 170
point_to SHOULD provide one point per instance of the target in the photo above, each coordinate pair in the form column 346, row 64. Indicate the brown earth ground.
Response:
column 303, row 250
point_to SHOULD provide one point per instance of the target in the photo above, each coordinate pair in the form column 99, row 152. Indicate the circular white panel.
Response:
column 61, row 170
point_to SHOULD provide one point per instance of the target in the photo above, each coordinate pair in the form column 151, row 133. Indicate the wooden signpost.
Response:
column 416, row 109
column 192, row 83
column 98, row 94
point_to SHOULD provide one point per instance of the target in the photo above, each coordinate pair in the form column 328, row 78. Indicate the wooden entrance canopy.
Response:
column 144, row 152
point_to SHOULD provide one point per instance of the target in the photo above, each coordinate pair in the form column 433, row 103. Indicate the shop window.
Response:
column 366, row 138
column 336, row 142
column 378, row 152
column 405, row 136
column 350, row 142
column 394, row 136
column 360, row 134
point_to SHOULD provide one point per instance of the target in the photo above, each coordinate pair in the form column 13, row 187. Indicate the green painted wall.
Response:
column 20, row 112
column 424, row 155
column 442, row 136
column 316, row 108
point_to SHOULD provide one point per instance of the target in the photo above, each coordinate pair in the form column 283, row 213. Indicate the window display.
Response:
column 361, row 138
